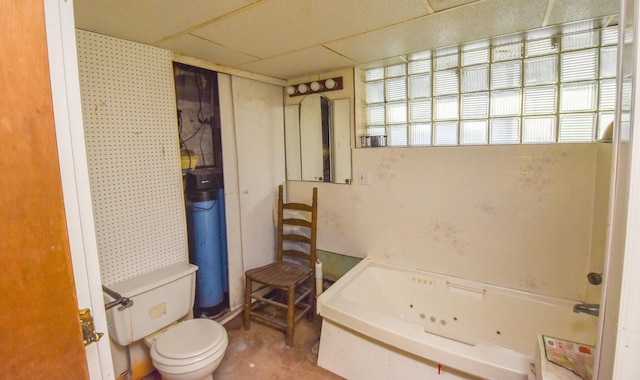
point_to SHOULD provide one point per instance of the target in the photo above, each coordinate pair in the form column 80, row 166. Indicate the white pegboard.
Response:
column 129, row 112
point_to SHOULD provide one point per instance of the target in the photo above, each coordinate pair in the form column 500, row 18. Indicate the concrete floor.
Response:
column 261, row 353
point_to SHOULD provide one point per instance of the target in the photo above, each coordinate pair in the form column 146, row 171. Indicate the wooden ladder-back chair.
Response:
column 289, row 282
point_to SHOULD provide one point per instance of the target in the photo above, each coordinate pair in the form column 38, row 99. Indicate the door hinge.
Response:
column 89, row 334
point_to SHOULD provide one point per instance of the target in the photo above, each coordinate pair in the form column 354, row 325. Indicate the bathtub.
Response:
column 386, row 322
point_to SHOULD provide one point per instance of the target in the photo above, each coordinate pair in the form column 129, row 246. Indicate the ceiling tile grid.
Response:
column 291, row 38
column 188, row 44
column 279, row 26
column 148, row 21
column 444, row 29
column 316, row 59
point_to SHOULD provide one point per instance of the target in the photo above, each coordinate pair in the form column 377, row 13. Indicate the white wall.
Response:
column 518, row 216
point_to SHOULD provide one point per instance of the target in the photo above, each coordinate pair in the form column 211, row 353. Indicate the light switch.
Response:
column 364, row 178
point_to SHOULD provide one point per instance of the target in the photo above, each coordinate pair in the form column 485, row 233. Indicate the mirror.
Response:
column 315, row 143
column 317, row 140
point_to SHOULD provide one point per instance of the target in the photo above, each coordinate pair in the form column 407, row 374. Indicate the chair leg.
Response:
column 291, row 310
column 247, row 304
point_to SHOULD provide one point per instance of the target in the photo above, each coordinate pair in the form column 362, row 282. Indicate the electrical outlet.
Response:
column 364, row 178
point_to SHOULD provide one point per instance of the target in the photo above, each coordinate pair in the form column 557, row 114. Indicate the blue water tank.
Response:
column 203, row 224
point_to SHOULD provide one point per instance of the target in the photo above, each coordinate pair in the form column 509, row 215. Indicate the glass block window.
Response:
column 474, row 132
column 550, row 85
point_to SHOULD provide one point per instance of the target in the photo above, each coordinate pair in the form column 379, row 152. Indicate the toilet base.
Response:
column 172, row 377
column 205, row 373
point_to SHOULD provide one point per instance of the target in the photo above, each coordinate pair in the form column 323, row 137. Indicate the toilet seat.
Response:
column 190, row 342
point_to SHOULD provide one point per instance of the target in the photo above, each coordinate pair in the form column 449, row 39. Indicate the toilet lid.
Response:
column 189, row 338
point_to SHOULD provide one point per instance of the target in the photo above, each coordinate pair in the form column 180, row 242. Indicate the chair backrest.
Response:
column 297, row 225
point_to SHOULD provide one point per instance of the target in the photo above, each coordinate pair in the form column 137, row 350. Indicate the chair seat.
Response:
column 281, row 274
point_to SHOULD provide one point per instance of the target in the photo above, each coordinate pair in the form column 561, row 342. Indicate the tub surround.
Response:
column 600, row 218
column 517, row 216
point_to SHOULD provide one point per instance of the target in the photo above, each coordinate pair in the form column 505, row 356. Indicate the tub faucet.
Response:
column 587, row 308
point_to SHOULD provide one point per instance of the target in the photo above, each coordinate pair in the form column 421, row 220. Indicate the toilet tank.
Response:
column 160, row 298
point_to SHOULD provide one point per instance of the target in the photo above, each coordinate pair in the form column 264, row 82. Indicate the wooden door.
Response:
column 40, row 335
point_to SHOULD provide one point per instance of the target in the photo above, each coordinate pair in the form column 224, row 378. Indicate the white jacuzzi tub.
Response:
column 382, row 321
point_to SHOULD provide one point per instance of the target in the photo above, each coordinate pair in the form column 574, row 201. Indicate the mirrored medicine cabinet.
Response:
column 318, row 140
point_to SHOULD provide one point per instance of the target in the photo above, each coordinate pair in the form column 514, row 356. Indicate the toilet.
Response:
column 180, row 349
column 191, row 350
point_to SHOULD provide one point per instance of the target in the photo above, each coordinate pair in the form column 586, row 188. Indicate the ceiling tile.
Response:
column 444, row 29
column 148, row 21
column 577, row 10
column 197, row 47
column 313, row 60
column 290, row 33
column 440, row 5
column 278, row 26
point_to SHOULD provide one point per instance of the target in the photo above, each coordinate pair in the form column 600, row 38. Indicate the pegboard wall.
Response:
column 129, row 112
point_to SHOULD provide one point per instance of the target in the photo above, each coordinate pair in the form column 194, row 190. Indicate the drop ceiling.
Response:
column 290, row 39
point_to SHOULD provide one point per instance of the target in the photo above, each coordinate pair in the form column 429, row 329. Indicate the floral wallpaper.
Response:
column 518, row 216
column 538, row 173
